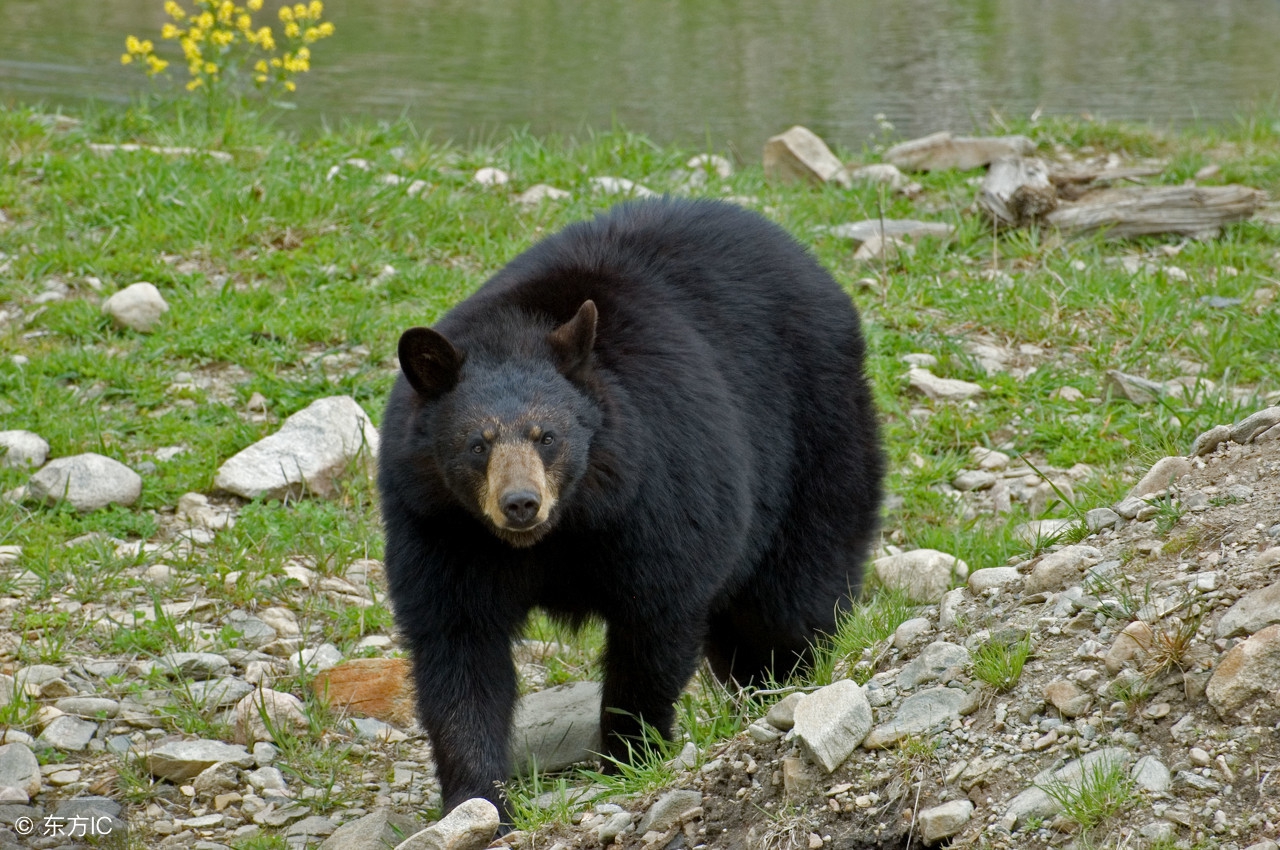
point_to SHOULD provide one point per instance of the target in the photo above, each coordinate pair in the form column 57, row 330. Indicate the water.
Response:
column 727, row 73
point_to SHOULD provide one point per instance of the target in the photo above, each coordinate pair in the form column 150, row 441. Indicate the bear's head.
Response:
column 511, row 423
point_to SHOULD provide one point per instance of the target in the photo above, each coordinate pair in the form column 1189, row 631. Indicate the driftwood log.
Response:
column 1143, row 210
column 1017, row 191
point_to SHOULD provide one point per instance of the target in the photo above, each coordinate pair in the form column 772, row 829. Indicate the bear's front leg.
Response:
column 466, row 689
column 646, row 665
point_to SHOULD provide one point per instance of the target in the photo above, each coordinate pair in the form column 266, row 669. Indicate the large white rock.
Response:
column 1035, row 802
column 265, row 712
column 941, row 389
column 1248, row 672
column 924, row 575
column 87, row 482
column 1254, row 612
column 310, row 451
column 800, row 155
column 1162, row 474
column 19, row 768
column 831, row 722
column 556, row 728
column 182, row 760
column 470, row 826
column 944, row 821
column 22, row 450
column 138, row 307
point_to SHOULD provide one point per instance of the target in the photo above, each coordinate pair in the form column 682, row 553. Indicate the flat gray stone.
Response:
column 974, row 479
column 19, row 768
column 22, row 450
column 556, row 728
column 69, row 733
column 980, row 581
column 87, row 482
column 1251, row 426
column 933, row 662
column 219, row 693
column 1132, row 388
column 1163, row 474
column 1252, row 613
column 181, row 760
column 380, row 830
column 1057, row 570
column 1099, row 518
column 918, row 713
column 1150, row 774
column 799, row 155
column 941, row 389
column 90, row 708
column 831, row 722
column 666, row 812
column 315, row 826
column 944, row 821
column 194, row 665
column 1034, row 802
column 311, row 450
column 862, row 231
column 1210, row 440
column 924, row 575
column 782, row 714
column 470, row 826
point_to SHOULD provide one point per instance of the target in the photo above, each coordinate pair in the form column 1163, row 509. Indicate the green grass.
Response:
column 1104, row 790
column 999, row 663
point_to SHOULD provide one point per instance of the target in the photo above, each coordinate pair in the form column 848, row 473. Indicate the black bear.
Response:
column 658, row 418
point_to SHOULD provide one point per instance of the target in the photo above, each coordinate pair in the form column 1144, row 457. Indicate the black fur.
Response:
column 720, row 458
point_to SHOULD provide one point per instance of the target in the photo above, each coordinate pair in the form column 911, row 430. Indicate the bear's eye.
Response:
column 548, row 439
column 478, row 448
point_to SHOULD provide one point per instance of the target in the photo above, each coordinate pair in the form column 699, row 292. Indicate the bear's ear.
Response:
column 429, row 361
column 572, row 342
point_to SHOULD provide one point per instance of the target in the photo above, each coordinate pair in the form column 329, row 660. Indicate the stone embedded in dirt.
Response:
column 831, row 722
column 879, row 174
column 535, row 195
column 922, row 574
column 910, row 631
column 800, row 155
column 980, row 581
column 1150, row 774
column 86, row 481
column 944, row 821
column 666, row 812
column 314, row 660
column 1132, row 507
column 1132, row 644
column 1034, row 802
column 1210, row 440
column 265, row 712
column 22, row 450
column 1068, row 698
column 470, row 826
column 19, row 768
column 615, row 824
column 90, row 708
column 68, row 733
column 378, row 830
column 1060, row 569
column 782, row 714
column 1268, row 558
column 941, row 389
column 490, row 176
column 381, row 688
column 974, row 479
column 312, row 449
column 556, row 728
column 620, row 186
column 1099, row 518
column 194, row 665
column 1252, row 613
column 889, row 228
column 934, row 662
column 218, row 693
column 1132, row 388
column 1041, row 532
column 1248, row 672
column 918, row 713
column 137, row 307
column 304, row 832
column 216, row 779
column 1163, row 474
column 943, row 151
column 1251, row 426
column 179, row 761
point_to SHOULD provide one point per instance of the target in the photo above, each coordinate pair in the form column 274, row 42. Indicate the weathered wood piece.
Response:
column 800, row 155
column 1017, row 191
column 1072, row 181
column 942, row 151
column 1138, row 211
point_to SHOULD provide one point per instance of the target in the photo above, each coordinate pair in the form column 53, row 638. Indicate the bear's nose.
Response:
column 520, row 507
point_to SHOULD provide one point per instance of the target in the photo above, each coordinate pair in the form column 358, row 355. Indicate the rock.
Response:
column 1042, row 532
column 90, row 708
column 535, row 195
column 910, row 631
column 1099, row 518
column 1150, row 774
column 1132, row 644
column 266, row 779
column 370, row 729
column 1251, row 426
column 924, row 575
column 87, row 482
column 195, row 665
column 710, row 163
column 620, row 186
column 315, row 826
column 944, row 821
column 980, row 581
column 22, row 450
column 1047, row 494
column 69, row 734
column 1248, row 671
column 310, row 451
column 470, row 826
column 942, row 151
column 890, row 228
column 380, row 830
column 941, row 389
column 666, row 812
column 1210, row 440
column 879, row 174
column 1059, row 569
column 179, row 761
column 799, row 155
column 381, row 688
column 1067, row 698
column 1252, row 613
column 19, row 768
column 320, row 658
column 614, row 825
column 934, row 662
column 1163, row 474
column 217, row 778
column 265, row 712
column 1132, row 388
column 831, row 722
column 919, row 713
column 1135, row 508
column 782, row 714
column 1034, row 802
column 137, row 307
column 880, row 248
column 490, row 176
column 974, row 479
column 556, row 728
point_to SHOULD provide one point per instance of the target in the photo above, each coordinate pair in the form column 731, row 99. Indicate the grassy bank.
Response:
column 291, row 270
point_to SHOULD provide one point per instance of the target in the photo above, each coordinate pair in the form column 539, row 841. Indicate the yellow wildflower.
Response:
column 254, row 5
column 286, row 14
column 206, row 21
column 226, row 11
column 195, row 84
column 326, row 29
column 170, row 32
column 211, row 68
column 126, row 59
column 291, row 30
column 290, row 85
column 157, row 65
column 243, row 23
column 317, row 9
column 300, row 11
column 132, row 44
column 174, row 11
column 266, row 40
column 260, row 66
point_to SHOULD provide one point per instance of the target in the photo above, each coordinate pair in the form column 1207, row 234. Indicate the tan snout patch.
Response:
column 516, row 466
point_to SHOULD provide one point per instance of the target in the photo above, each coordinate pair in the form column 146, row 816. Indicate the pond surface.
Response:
column 727, row 73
